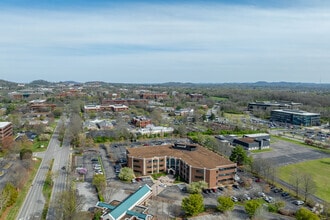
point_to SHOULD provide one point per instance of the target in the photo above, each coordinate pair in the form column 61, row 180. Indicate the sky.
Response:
column 165, row 41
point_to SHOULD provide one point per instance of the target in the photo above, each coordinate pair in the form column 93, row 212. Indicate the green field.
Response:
column 319, row 169
column 219, row 99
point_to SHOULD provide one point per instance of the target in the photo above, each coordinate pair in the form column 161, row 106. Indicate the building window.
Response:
column 199, row 177
column 136, row 161
column 199, row 171
column 137, row 166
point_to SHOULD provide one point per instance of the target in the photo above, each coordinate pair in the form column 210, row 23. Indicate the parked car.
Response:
column 236, row 187
column 298, row 202
column 258, row 180
column 221, row 188
column 246, row 197
column 261, row 194
column 234, row 199
column 285, row 194
column 276, row 190
column 269, row 199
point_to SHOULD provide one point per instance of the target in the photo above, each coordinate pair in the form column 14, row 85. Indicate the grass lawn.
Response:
column 232, row 116
column 218, row 99
column 261, row 151
column 37, row 146
column 319, row 169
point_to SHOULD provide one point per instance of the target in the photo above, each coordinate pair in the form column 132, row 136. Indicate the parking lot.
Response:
column 284, row 153
column 168, row 201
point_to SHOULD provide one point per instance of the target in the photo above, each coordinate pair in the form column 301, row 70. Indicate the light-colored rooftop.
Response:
column 256, row 135
column 4, row 124
column 297, row 112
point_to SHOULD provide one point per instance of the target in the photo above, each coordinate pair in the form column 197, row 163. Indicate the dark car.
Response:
column 276, row 190
column 205, row 191
column 285, row 194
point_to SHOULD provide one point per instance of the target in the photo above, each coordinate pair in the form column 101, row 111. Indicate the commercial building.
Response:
column 268, row 105
column 248, row 141
column 102, row 108
column 141, row 121
column 191, row 162
column 296, row 117
column 130, row 208
column 6, row 131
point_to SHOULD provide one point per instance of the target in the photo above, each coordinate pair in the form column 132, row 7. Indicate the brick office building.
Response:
column 6, row 131
column 190, row 161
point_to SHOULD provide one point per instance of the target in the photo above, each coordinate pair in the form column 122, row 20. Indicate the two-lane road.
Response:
column 34, row 201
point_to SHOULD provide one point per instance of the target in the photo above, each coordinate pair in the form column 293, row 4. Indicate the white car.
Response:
column 234, row 199
column 261, row 194
column 298, row 202
column 269, row 199
column 246, row 197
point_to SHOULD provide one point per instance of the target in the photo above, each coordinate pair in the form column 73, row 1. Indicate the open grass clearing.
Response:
column 319, row 169
column 219, row 99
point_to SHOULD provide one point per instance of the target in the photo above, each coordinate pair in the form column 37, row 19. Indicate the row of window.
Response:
column 227, row 168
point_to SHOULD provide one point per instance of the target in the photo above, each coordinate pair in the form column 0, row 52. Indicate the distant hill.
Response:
column 7, row 84
column 40, row 82
column 252, row 85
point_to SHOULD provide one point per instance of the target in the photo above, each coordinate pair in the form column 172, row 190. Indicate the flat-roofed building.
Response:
column 130, row 208
column 296, row 117
column 268, row 105
column 6, row 131
column 191, row 162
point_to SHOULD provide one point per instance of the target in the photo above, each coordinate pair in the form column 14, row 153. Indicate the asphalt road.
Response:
column 60, row 170
column 34, row 201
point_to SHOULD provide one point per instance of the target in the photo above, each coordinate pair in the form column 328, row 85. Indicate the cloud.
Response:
column 180, row 42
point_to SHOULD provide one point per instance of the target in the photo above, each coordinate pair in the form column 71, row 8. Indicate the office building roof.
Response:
column 4, row 124
column 296, row 112
column 130, row 202
column 201, row 157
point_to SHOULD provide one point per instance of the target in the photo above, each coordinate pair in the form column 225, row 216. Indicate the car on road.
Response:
column 298, row 202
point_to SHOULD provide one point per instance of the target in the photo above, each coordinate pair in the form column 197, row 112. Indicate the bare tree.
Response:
column 74, row 129
column 295, row 180
column 68, row 204
column 308, row 185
